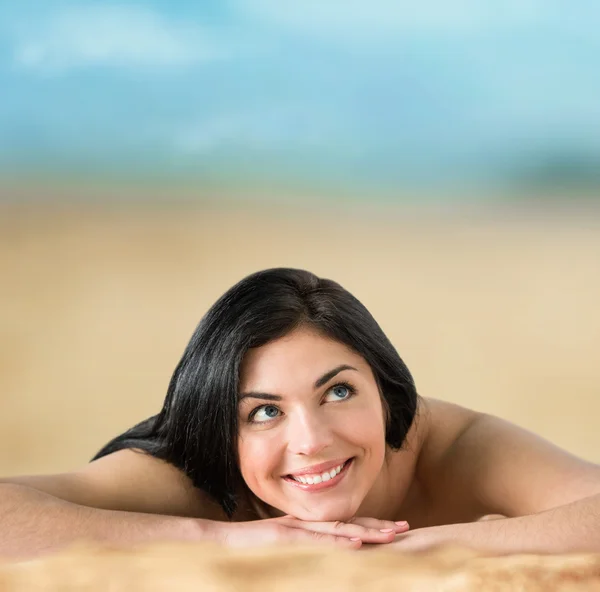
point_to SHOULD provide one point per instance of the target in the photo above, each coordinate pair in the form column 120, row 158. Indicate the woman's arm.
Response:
column 34, row 522
column 125, row 497
column 127, row 480
column 570, row 528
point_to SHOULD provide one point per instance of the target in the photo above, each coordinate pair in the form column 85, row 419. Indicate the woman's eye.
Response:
column 264, row 413
column 340, row 392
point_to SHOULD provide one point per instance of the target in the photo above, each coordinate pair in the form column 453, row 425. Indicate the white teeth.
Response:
column 311, row 479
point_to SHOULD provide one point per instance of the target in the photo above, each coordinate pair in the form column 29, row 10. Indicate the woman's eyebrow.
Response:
column 329, row 375
column 255, row 395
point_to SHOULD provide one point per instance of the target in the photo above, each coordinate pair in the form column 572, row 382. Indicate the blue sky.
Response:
column 372, row 91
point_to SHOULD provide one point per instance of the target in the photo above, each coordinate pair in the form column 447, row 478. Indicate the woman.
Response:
column 291, row 417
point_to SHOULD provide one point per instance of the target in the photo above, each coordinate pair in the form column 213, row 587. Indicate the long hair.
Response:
column 197, row 428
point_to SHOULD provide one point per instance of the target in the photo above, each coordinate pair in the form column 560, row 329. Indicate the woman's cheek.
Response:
column 365, row 425
column 258, row 458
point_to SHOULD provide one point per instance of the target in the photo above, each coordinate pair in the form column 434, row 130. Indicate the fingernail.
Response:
column 402, row 523
column 386, row 530
column 355, row 539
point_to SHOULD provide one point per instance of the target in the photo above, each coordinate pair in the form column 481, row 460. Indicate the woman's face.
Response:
column 305, row 401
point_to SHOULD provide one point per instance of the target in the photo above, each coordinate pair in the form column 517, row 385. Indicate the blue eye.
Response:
column 264, row 413
column 341, row 392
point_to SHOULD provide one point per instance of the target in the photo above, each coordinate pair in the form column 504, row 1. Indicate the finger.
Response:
column 398, row 527
column 344, row 529
column 491, row 517
column 301, row 535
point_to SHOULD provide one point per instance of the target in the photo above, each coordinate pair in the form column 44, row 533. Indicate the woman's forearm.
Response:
column 33, row 522
column 570, row 528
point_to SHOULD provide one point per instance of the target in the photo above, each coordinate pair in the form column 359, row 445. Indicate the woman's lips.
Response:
column 324, row 484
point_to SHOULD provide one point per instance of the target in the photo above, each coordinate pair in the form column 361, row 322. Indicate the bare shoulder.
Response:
column 442, row 425
column 416, row 468
column 436, row 426
column 128, row 480
column 472, row 463
column 439, row 425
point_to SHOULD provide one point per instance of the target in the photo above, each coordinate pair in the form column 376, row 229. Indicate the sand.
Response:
column 184, row 567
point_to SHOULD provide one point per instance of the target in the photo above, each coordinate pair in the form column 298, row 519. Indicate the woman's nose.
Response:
column 308, row 435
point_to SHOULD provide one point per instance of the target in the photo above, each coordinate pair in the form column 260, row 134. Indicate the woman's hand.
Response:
column 467, row 534
column 427, row 538
column 288, row 529
column 475, row 535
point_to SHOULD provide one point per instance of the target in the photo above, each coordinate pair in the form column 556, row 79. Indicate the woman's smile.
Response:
column 314, row 482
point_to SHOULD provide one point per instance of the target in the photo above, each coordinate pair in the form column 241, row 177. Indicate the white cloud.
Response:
column 223, row 130
column 268, row 128
column 227, row 130
column 111, row 35
column 373, row 18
